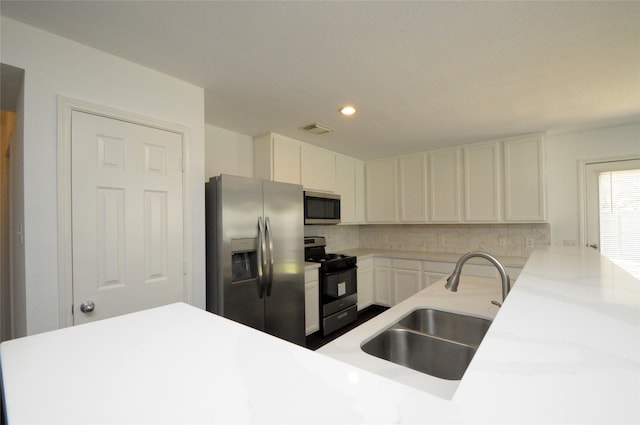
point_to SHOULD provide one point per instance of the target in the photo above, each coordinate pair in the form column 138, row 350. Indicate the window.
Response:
column 619, row 211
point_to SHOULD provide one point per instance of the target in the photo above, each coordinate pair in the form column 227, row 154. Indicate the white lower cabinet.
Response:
column 405, row 279
column 311, row 301
column 365, row 283
column 429, row 278
column 382, row 281
column 395, row 280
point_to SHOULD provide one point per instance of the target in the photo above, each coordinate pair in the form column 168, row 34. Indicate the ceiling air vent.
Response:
column 316, row 128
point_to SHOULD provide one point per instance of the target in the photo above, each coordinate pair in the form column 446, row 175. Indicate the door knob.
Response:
column 87, row 307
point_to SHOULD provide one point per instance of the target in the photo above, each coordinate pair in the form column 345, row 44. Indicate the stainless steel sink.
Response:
column 451, row 326
column 431, row 341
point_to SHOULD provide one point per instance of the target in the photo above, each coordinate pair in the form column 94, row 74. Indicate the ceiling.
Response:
column 423, row 75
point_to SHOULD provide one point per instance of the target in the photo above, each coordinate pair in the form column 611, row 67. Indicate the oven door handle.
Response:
column 261, row 251
column 269, row 244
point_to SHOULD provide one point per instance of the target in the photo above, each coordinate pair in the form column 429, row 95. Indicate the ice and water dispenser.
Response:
column 244, row 259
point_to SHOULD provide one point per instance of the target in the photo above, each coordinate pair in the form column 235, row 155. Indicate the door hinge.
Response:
column 72, row 309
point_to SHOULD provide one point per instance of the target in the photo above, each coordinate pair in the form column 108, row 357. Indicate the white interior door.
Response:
column 127, row 217
column 613, row 211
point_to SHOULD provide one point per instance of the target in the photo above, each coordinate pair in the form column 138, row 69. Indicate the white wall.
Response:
column 227, row 152
column 57, row 66
column 564, row 152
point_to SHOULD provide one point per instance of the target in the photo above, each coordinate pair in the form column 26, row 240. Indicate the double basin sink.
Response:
column 435, row 342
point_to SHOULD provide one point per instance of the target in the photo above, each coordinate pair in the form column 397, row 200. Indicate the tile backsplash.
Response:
column 515, row 240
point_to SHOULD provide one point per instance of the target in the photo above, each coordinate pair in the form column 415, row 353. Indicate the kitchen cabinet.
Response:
column 445, row 185
column 413, row 188
column 311, row 301
column 382, row 281
column 276, row 158
column 280, row 158
column 382, row 191
column 350, row 187
column 482, row 182
column 365, row 282
column 317, row 169
column 524, row 179
column 395, row 279
column 435, row 270
column 405, row 279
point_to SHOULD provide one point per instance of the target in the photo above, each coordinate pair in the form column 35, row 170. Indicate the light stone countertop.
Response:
column 473, row 298
column 564, row 348
column 432, row 256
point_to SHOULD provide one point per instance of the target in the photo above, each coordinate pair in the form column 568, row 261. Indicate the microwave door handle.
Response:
column 269, row 244
column 261, row 257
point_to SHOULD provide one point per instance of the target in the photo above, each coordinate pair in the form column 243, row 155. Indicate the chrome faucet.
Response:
column 454, row 279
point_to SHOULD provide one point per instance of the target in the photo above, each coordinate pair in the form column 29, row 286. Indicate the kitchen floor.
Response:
column 316, row 340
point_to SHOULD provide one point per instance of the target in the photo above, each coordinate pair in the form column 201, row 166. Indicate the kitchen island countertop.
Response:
column 565, row 347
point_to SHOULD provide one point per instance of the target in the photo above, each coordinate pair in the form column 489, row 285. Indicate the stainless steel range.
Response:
column 338, row 284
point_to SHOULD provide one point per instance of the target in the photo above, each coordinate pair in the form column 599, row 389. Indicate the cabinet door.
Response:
column 413, row 188
column 524, row 180
column 405, row 284
column 346, row 187
column 365, row 285
column 318, row 169
column 445, row 185
column 286, row 160
column 311, row 301
column 360, row 192
column 382, row 283
column 429, row 278
column 482, row 174
column 382, row 191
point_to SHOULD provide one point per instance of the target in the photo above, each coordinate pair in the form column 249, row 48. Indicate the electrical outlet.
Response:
column 441, row 240
column 502, row 241
column 528, row 243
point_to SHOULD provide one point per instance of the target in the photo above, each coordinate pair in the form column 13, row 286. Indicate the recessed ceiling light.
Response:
column 348, row 110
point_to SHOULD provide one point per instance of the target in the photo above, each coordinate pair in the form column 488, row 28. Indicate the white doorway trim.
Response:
column 582, row 186
column 65, row 264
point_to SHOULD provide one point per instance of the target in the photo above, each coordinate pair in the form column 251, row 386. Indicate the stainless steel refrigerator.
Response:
column 255, row 254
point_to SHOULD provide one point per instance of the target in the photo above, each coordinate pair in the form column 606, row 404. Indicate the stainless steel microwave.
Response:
column 321, row 208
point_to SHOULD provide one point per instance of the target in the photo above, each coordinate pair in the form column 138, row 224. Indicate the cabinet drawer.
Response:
column 438, row 267
column 311, row 275
column 398, row 263
column 365, row 263
column 382, row 262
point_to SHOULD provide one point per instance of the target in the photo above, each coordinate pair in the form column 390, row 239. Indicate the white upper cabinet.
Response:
column 445, row 185
column 360, row 193
column 413, row 188
column 350, row 187
column 482, row 183
column 276, row 158
column 318, row 169
column 524, row 179
column 283, row 159
column 382, row 191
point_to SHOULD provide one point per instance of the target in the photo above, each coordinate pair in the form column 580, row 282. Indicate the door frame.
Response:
column 66, row 106
column 582, row 184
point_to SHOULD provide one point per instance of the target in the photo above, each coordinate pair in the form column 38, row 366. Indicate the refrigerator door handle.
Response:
column 267, row 225
column 261, row 252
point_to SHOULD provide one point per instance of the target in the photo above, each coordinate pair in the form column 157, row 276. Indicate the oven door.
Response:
column 338, row 290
